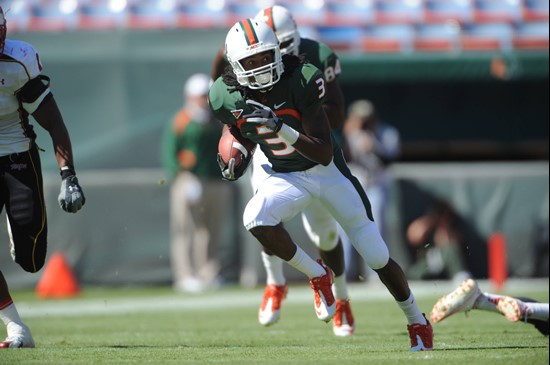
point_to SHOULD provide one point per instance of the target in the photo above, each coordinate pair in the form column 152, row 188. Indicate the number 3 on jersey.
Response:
column 285, row 151
column 321, row 86
column 288, row 149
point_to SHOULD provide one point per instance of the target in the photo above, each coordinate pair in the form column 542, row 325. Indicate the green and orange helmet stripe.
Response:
column 249, row 32
column 268, row 16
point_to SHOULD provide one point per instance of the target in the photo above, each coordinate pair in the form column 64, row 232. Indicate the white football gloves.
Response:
column 263, row 115
column 71, row 197
column 228, row 171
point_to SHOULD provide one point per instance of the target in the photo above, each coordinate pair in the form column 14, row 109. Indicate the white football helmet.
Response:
column 3, row 30
column 247, row 38
column 284, row 26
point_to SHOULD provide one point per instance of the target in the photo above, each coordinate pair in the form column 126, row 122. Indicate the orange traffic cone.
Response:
column 498, row 260
column 58, row 280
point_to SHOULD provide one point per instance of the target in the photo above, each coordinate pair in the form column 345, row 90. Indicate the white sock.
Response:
column 274, row 269
column 411, row 310
column 9, row 314
column 537, row 310
column 487, row 302
column 340, row 288
column 302, row 262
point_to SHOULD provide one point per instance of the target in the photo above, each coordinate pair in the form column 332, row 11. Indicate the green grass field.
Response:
column 157, row 326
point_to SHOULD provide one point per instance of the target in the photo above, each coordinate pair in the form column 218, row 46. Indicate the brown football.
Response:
column 233, row 145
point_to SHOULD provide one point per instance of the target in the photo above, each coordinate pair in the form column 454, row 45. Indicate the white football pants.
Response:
column 280, row 196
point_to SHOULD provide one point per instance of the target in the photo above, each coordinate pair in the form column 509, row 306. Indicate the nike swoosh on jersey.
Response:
column 277, row 106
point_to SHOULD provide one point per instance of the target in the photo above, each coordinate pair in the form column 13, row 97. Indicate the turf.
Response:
column 156, row 326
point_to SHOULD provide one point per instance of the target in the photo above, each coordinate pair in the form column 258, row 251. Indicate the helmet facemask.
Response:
column 261, row 77
column 249, row 38
column 290, row 43
column 3, row 30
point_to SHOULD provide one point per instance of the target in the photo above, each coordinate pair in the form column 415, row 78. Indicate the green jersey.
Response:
column 191, row 146
column 301, row 93
column 322, row 57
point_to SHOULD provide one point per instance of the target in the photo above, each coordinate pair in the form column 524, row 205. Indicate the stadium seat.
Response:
column 202, row 14
column 346, row 13
column 490, row 36
column 490, row 11
column 99, row 14
column 535, row 10
column 341, row 38
column 307, row 13
column 18, row 15
column 437, row 37
column 532, row 35
column 388, row 38
column 399, row 11
column 438, row 11
column 49, row 15
column 242, row 9
column 151, row 14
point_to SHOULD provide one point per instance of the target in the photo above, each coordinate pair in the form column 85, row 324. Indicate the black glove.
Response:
column 71, row 197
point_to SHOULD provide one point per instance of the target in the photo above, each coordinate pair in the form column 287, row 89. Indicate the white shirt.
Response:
column 18, row 64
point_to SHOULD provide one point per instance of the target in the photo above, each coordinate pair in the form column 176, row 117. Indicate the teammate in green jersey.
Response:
column 277, row 103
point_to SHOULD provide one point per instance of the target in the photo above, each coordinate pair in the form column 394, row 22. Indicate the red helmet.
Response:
column 2, row 30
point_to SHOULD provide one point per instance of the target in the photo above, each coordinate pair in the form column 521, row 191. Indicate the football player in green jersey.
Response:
column 277, row 103
column 318, row 223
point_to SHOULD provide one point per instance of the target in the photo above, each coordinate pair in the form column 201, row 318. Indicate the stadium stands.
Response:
column 152, row 14
column 388, row 38
column 531, row 35
column 100, row 14
column 347, row 25
column 490, row 36
column 437, row 11
column 437, row 37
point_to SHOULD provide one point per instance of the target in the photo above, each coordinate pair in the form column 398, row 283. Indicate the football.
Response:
column 233, row 145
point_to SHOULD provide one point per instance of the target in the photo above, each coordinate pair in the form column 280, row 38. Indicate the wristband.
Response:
column 66, row 171
column 289, row 134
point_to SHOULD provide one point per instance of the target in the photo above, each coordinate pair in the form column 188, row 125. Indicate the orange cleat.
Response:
column 421, row 336
column 343, row 324
column 325, row 305
column 270, row 310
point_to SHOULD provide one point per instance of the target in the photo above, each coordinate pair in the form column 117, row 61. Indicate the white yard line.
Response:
column 373, row 291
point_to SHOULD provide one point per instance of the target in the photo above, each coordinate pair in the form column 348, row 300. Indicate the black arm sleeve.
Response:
column 33, row 89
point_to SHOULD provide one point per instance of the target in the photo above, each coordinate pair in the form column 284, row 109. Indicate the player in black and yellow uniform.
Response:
column 278, row 104
column 24, row 92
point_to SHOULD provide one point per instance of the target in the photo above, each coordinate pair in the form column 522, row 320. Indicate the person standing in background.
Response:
column 24, row 92
column 372, row 145
column 440, row 238
column 197, row 196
